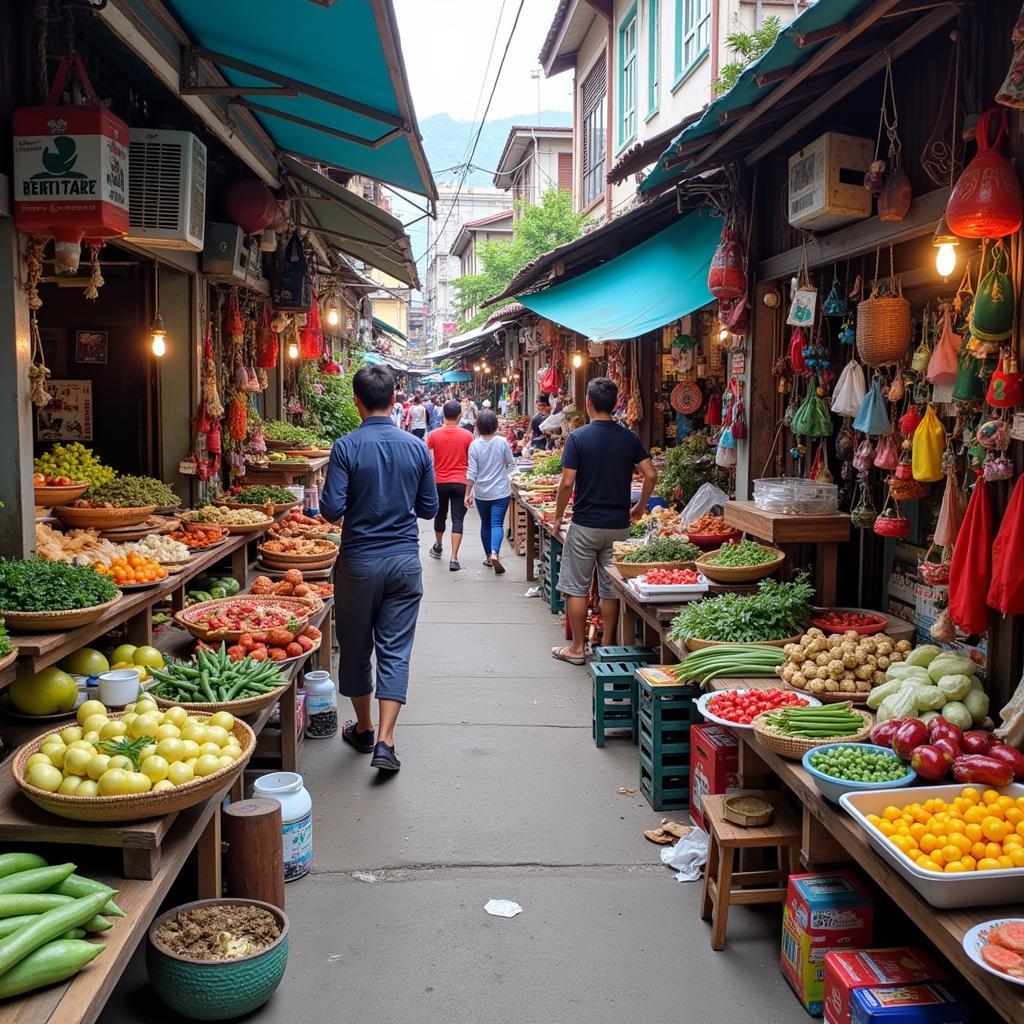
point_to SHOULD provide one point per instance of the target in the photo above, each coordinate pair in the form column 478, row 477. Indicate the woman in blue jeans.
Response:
column 490, row 460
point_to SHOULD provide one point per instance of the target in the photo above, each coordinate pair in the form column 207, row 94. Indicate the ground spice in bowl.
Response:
column 224, row 931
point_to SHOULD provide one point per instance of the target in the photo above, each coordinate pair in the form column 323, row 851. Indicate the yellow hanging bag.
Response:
column 928, row 445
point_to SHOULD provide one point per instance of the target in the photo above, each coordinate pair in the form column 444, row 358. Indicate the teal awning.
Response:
column 456, row 377
column 651, row 285
column 784, row 54
column 386, row 328
column 325, row 80
column 373, row 358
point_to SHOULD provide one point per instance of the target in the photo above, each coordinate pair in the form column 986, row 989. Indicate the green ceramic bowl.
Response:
column 205, row 990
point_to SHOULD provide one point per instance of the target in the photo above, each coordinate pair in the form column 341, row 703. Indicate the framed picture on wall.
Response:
column 91, row 347
column 68, row 417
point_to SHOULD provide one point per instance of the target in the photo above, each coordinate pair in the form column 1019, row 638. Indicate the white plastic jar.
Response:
column 321, row 704
column 296, row 819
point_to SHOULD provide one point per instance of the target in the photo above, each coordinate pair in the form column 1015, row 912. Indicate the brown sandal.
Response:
column 558, row 653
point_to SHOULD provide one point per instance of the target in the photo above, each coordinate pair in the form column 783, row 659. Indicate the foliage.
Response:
column 327, row 403
column 36, row 585
column 261, row 494
column 5, row 641
column 777, row 611
column 688, row 466
column 276, row 430
column 538, row 229
column 663, row 549
column 748, row 47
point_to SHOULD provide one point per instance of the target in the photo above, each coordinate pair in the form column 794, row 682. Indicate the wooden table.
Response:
column 788, row 531
column 276, row 472
column 534, row 522
column 829, row 835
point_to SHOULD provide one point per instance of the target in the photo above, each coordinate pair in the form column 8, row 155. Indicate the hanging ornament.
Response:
column 847, row 333
column 797, row 343
column 727, row 275
column 1006, row 385
column 863, row 514
column 908, row 422
column 835, row 304
column 267, row 347
column 995, row 301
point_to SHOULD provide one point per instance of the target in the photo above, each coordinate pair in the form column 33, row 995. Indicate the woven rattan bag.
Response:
column 883, row 321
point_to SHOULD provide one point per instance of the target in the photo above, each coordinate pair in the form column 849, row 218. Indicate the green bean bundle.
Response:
column 815, row 723
column 214, row 679
column 729, row 660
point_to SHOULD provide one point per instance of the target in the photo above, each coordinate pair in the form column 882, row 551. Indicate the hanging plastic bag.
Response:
column 850, row 389
column 811, row 418
column 970, row 574
column 1006, row 592
column 945, row 360
column 928, row 446
column 887, row 455
column 951, row 511
column 872, row 416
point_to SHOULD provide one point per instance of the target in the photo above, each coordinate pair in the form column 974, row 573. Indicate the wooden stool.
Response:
column 722, row 885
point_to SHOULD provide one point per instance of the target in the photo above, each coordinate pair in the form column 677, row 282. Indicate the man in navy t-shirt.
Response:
column 598, row 460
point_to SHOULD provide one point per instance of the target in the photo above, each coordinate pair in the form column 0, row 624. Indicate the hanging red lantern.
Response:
column 909, row 421
column 70, row 170
column 986, row 200
column 250, row 205
column 213, row 438
column 266, row 342
column 727, row 276
column 311, row 337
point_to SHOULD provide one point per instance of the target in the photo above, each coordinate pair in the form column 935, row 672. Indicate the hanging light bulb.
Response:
column 158, row 333
column 577, row 359
column 476, row 367
column 945, row 252
column 293, row 350
column 723, row 334
column 333, row 316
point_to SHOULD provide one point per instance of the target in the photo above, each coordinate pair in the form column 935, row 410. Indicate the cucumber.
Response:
column 76, row 887
column 12, row 862
column 55, row 961
column 35, row 879
column 230, row 584
column 15, row 904
column 72, row 914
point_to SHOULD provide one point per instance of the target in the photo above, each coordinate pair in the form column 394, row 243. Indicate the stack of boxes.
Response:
column 666, row 713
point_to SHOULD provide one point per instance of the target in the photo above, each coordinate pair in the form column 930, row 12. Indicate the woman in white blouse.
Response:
column 490, row 460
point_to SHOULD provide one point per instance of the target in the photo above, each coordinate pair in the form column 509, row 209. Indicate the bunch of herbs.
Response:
column 36, row 585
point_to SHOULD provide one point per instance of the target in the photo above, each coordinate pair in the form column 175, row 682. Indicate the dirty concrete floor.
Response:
column 502, row 795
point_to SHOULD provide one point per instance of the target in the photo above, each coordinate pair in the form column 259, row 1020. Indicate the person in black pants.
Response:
column 450, row 448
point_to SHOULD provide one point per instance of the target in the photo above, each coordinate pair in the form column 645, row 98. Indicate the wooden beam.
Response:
column 234, row 90
column 819, row 35
column 817, row 60
column 860, row 238
column 914, row 35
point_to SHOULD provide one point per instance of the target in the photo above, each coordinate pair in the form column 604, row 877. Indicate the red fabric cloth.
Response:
column 971, row 570
column 1006, row 594
column 450, row 446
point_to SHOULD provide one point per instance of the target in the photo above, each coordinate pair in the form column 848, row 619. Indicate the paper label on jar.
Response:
column 317, row 702
column 297, row 837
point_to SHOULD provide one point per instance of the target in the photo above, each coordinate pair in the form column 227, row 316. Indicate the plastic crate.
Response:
column 665, row 715
column 632, row 652
column 614, row 698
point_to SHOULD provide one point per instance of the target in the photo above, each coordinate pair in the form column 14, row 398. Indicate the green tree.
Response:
column 537, row 230
column 748, row 47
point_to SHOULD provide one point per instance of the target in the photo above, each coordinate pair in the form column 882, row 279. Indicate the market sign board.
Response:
column 68, row 416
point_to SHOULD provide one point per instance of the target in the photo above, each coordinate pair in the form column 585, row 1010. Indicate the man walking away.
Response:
column 379, row 479
column 598, row 460
column 417, row 417
column 434, row 416
column 450, row 446
column 538, row 439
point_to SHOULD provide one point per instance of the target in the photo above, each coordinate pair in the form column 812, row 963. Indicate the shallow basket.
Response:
column 740, row 573
column 284, row 506
column 44, row 622
column 47, row 496
column 314, row 561
column 103, row 518
column 695, row 644
column 793, row 748
column 712, row 540
column 129, row 806
column 832, row 698
column 300, row 607
column 236, row 707
column 8, row 659
column 235, row 529
column 628, row 570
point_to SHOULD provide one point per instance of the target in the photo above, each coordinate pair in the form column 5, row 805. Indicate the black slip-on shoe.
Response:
column 362, row 741
column 435, row 551
column 384, row 758
column 453, row 566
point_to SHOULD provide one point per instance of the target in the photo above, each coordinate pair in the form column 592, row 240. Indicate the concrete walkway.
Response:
column 502, row 794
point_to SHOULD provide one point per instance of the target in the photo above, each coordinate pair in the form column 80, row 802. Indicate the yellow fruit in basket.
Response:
column 155, row 768
column 215, row 734
column 44, row 776
column 123, row 653
column 207, row 765
column 222, row 720
column 176, row 716
column 171, row 749
column 233, row 750
column 148, row 656
column 224, row 761
column 121, row 761
column 213, row 749
column 43, row 693
column 69, row 786
column 88, row 787
column 113, row 729
column 190, row 749
column 55, row 753
column 147, row 751
column 94, row 723
column 144, row 725
column 162, row 786
column 76, row 760
column 140, row 783
column 191, row 762
column 92, row 738
column 179, row 773
column 146, row 705
column 193, row 731
column 37, row 759
column 90, row 707
column 168, row 732
column 115, row 782
column 68, row 735
column 98, row 764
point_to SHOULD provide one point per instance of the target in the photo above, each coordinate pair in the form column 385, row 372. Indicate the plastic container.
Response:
column 970, row 889
column 795, row 496
column 321, row 704
column 832, row 788
column 118, row 687
column 296, row 819
column 311, row 502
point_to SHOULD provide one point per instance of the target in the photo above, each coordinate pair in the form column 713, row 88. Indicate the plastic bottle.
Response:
column 321, row 704
column 296, row 819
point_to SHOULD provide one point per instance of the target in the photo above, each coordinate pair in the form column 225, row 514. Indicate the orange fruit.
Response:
column 988, row 864
column 973, row 832
column 978, row 851
column 994, row 829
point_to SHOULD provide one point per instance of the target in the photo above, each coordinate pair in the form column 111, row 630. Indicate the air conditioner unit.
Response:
column 826, row 182
column 166, row 189
column 227, row 252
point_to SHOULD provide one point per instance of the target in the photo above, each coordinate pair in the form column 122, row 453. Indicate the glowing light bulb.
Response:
column 293, row 350
column 159, row 346
column 723, row 334
column 945, row 259
column 577, row 360
column 333, row 317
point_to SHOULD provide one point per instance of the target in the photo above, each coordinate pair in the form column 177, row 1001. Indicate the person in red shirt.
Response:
column 450, row 447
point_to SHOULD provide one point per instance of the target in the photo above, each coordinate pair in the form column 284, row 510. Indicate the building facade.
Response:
column 534, row 161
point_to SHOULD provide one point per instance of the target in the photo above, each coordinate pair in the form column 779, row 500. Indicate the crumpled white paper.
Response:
column 688, row 856
column 502, row 908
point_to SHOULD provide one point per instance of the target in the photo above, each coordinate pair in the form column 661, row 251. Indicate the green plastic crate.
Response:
column 614, row 703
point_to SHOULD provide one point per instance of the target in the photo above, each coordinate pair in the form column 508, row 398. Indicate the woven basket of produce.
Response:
column 628, row 570
column 278, row 446
column 228, row 618
column 713, row 540
column 695, row 644
column 236, row 707
column 8, row 659
column 102, row 518
column 44, row 622
column 48, row 495
column 740, row 573
column 147, row 528
column 793, row 747
column 189, row 520
column 300, row 553
column 276, row 508
column 131, row 806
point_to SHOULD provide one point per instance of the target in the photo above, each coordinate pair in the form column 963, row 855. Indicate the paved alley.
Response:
column 502, row 794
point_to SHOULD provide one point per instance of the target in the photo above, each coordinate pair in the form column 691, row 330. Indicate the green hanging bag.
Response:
column 968, row 386
column 812, row 419
column 992, row 313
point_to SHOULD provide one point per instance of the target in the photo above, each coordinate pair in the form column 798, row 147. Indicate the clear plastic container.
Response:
column 795, row 496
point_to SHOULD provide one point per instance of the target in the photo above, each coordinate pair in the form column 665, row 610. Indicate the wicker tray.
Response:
column 832, row 698
column 629, row 570
column 739, row 573
column 284, row 506
column 313, row 561
column 154, row 524
column 301, row 607
column 47, row 496
column 694, row 644
column 236, row 707
column 278, row 446
column 103, row 518
column 236, row 529
column 712, row 540
column 44, row 622
column 793, row 748
column 130, row 806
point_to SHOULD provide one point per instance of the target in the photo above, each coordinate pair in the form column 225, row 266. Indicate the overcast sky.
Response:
column 446, row 44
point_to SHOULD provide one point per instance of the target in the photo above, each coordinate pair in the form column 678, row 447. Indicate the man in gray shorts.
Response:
column 598, row 461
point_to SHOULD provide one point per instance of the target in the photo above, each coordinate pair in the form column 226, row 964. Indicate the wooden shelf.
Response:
column 777, row 528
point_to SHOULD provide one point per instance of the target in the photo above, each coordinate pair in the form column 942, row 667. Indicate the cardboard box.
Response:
column 908, row 1004
column 824, row 911
column 847, row 971
column 714, row 763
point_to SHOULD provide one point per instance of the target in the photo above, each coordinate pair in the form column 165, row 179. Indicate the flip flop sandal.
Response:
column 674, row 828
column 498, row 568
column 659, row 836
column 558, row 653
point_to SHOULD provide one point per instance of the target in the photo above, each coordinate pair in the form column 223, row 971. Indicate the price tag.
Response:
column 1017, row 426
column 739, row 364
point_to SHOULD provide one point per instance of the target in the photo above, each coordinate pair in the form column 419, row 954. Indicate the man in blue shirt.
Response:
column 380, row 480
column 435, row 418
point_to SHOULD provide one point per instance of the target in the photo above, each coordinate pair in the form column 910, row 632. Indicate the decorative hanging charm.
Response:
column 797, row 345
column 847, row 333
column 835, row 304
column 1006, row 385
column 727, row 275
column 995, row 302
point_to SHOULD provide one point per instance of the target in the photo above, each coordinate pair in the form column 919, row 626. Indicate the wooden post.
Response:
column 254, row 860
column 208, row 859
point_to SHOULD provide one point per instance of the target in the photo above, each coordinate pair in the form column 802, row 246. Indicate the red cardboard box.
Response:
column 823, row 912
column 846, row 971
column 714, row 763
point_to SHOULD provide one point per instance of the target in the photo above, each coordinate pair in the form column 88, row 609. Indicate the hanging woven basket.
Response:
column 883, row 328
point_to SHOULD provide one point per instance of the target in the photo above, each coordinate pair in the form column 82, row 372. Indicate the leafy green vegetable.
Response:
column 275, row 430
column 36, row 585
column 261, row 495
column 550, row 465
column 327, row 405
column 664, row 549
column 5, row 641
column 687, row 466
column 134, row 492
column 777, row 611
column 745, row 553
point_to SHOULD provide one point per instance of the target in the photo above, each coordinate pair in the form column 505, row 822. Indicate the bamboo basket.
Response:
column 695, row 644
column 236, row 707
column 44, row 622
column 232, row 528
column 267, row 508
column 103, row 518
column 154, row 524
column 740, row 573
column 300, row 607
column 312, row 561
column 46, row 496
column 793, row 748
column 712, row 540
column 883, row 327
column 628, row 570
column 130, row 806
column 831, row 698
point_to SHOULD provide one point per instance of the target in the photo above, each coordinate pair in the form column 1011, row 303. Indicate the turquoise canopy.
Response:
column 385, row 328
column 651, row 285
column 325, row 80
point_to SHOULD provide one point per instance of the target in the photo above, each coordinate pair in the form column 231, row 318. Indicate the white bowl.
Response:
column 119, row 687
column 974, row 939
column 702, row 707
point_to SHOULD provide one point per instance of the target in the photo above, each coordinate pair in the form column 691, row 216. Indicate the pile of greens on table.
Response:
column 777, row 611
column 741, row 555
column 261, row 495
column 664, row 549
column 36, row 585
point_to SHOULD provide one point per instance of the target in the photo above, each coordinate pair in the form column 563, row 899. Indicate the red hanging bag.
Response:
column 266, row 342
column 971, row 571
column 1006, row 593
